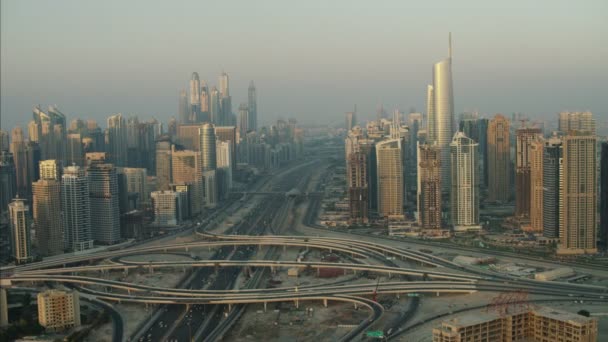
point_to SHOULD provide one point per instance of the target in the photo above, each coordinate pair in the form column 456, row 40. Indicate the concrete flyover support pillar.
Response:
column 318, row 272
column 3, row 308
column 356, row 306
column 151, row 268
column 229, row 307
column 265, row 306
column 284, row 248
column 273, row 270
column 437, row 294
column 297, row 304
column 325, row 302
column 125, row 271
column 398, row 296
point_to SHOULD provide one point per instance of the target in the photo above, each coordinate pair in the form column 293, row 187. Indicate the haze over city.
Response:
column 312, row 60
column 308, row 171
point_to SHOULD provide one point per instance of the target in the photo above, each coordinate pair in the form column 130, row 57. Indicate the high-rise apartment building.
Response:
column 204, row 109
column 58, row 310
column 74, row 151
column 163, row 163
column 182, row 107
column 390, row 178
column 210, row 184
column 429, row 186
column 578, row 194
column 552, row 169
column 582, row 121
column 225, row 100
column 76, row 209
column 499, row 160
column 243, row 120
column 195, row 100
column 116, row 140
column 21, row 243
column 48, row 222
column 207, row 146
column 252, row 104
column 168, row 207
column 358, row 191
column 228, row 134
column 524, row 138
column 440, row 107
column 104, row 197
column 187, row 169
column 464, row 194
column 4, row 141
column 604, row 195
column 18, row 149
column 8, row 180
column 50, row 169
column 137, row 184
column 214, row 107
column 224, row 166
column 536, row 186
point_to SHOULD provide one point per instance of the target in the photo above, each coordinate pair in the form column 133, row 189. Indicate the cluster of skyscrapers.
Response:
column 66, row 188
column 445, row 170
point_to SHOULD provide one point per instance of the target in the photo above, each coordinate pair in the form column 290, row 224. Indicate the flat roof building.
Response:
column 58, row 310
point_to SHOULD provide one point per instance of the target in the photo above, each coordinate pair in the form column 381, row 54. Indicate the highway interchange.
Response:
column 205, row 310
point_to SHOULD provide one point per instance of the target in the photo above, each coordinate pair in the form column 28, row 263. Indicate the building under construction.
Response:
column 542, row 324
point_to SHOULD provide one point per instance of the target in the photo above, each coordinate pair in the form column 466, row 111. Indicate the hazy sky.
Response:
column 309, row 59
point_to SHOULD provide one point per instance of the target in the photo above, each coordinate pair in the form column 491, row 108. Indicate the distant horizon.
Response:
column 310, row 61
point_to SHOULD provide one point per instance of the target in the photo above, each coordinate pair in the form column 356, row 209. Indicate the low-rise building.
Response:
column 542, row 324
column 58, row 310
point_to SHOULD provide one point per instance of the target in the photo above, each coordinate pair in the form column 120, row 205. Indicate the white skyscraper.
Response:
column 195, row 99
column 464, row 194
column 103, row 193
column 76, row 209
column 440, row 108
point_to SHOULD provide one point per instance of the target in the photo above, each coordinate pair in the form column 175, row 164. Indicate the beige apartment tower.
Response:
column 429, row 187
column 21, row 244
column 578, row 197
column 390, row 178
column 187, row 169
column 539, row 325
column 48, row 221
column 524, row 138
column 499, row 185
column 58, row 310
column 536, row 186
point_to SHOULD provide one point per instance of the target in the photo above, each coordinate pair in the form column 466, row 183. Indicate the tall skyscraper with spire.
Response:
column 440, row 108
column 252, row 104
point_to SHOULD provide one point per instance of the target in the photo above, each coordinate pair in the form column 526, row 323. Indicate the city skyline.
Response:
column 490, row 72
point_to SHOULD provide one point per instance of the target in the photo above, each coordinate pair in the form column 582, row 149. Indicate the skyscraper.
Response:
column 48, row 222
column 524, row 138
column 104, row 196
column 182, row 108
column 243, row 120
column 552, row 165
column 604, row 195
column 464, row 194
column 74, row 153
column 578, row 194
column 214, row 106
column 252, row 104
column 499, row 187
column 582, row 121
column 76, row 209
column 351, row 120
column 116, row 140
column 390, row 178
column 536, row 186
column 21, row 243
column 225, row 100
column 187, row 169
column 204, row 117
column 210, row 183
column 18, row 149
column 228, row 134
column 8, row 180
column 50, row 170
column 207, row 146
column 224, row 166
column 195, row 99
column 4, row 141
column 440, row 106
column 358, row 191
column 163, row 163
column 429, row 186
column 137, row 184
